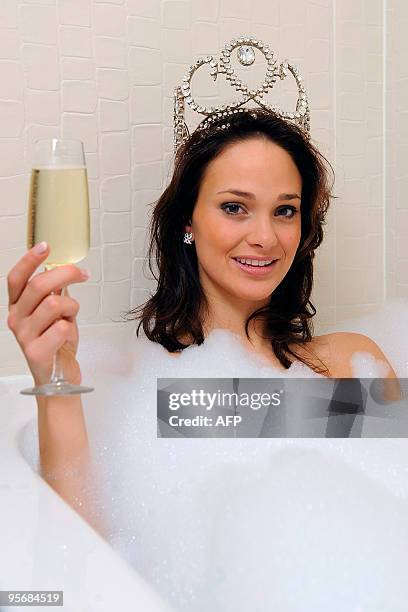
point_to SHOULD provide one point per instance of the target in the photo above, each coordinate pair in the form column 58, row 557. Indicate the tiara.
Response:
column 246, row 57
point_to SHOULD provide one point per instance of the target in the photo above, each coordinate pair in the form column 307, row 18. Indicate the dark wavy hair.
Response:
column 176, row 309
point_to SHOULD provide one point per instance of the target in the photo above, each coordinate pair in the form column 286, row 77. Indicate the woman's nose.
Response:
column 263, row 234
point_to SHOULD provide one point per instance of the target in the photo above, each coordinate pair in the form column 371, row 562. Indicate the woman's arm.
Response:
column 44, row 323
column 65, row 458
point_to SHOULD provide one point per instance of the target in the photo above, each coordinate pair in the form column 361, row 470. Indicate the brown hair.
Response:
column 176, row 308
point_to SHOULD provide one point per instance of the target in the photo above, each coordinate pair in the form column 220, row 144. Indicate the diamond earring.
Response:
column 188, row 238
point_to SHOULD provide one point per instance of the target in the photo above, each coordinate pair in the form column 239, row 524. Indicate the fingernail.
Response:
column 40, row 248
column 86, row 273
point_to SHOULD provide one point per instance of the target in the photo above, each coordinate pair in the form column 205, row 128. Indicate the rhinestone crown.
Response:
column 246, row 57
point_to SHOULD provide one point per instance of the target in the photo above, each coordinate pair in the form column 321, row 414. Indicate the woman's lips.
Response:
column 256, row 270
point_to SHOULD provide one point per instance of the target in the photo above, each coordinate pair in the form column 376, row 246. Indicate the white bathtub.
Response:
column 45, row 545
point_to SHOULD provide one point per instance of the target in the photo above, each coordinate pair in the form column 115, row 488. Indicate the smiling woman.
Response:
column 250, row 200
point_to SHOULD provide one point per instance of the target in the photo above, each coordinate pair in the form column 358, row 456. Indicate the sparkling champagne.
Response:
column 59, row 213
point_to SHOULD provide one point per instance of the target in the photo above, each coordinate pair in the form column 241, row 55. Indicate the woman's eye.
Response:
column 293, row 210
column 234, row 208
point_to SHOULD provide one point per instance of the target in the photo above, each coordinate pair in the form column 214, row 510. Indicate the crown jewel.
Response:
column 246, row 56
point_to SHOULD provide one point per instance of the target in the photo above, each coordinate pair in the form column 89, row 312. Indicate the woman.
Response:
column 256, row 191
column 251, row 198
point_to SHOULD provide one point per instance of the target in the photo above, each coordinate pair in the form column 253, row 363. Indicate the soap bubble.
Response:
column 248, row 524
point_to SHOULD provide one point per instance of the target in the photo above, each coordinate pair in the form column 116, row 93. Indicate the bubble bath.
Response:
column 247, row 524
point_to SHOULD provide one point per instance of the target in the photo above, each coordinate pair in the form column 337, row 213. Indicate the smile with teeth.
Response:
column 255, row 262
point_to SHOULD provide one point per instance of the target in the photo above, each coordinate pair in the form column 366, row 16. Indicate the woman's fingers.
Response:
column 52, row 308
column 41, row 350
column 18, row 276
column 43, row 322
column 35, row 290
column 69, row 317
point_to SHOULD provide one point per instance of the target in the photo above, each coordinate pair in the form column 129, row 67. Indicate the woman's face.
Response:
column 248, row 207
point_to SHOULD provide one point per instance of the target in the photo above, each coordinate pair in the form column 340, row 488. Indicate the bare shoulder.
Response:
column 337, row 348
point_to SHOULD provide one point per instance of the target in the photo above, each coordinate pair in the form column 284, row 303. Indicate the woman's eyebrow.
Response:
column 247, row 194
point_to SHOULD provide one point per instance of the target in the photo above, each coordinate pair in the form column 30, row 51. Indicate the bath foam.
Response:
column 169, row 496
column 305, row 534
column 175, row 507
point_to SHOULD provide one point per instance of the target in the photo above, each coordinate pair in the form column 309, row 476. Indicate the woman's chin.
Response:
column 257, row 297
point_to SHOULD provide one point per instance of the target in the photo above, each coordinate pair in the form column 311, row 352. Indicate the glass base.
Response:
column 57, row 388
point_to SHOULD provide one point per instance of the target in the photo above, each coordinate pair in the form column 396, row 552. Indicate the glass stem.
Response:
column 57, row 374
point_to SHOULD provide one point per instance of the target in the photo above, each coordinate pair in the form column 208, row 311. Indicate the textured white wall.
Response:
column 105, row 72
column 397, row 150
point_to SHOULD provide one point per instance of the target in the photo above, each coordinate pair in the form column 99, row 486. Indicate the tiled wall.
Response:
column 397, row 150
column 359, row 141
column 104, row 72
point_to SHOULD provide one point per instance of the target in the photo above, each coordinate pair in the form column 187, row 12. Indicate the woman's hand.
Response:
column 35, row 315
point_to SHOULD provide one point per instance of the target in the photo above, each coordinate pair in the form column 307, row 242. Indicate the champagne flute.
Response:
column 58, row 213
